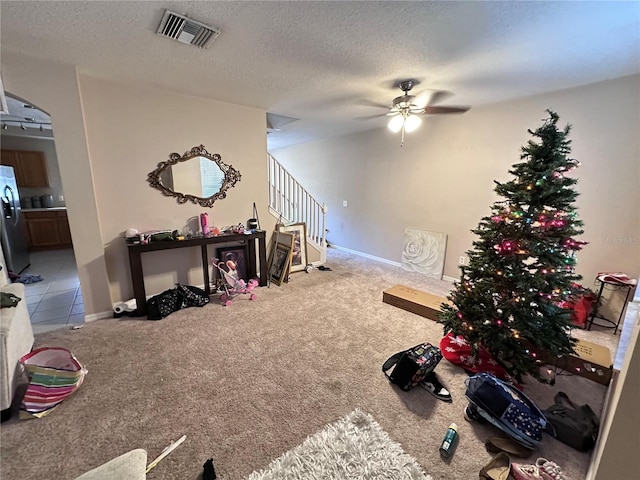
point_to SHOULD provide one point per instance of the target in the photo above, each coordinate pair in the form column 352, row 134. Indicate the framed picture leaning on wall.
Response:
column 299, row 254
column 280, row 257
column 233, row 261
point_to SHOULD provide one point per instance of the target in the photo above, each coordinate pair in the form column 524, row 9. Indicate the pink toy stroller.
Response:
column 232, row 285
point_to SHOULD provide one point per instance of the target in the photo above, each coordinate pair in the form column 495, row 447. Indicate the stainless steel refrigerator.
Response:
column 14, row 230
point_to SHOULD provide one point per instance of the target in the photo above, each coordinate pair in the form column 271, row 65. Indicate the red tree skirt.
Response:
column 458, row 351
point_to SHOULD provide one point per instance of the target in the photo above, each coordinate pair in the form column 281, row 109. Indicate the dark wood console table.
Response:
column 136, row 250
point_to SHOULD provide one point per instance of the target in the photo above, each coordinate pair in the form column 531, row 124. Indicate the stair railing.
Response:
column 291, row 202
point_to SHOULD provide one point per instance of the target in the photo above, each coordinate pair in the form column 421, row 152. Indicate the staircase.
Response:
column 291, row 203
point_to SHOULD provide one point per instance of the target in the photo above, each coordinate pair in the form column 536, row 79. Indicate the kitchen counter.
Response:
column 52, row 209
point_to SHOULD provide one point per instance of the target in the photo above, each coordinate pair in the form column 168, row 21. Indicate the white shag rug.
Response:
column 355, row 447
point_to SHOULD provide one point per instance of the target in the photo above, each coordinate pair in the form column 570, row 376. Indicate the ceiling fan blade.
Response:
column 430, row 97
column 436, row 110
column 438, row 96
column 371, row 117
column 369, row 103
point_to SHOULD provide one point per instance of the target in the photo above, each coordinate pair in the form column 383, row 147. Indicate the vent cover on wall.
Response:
column 185, row 30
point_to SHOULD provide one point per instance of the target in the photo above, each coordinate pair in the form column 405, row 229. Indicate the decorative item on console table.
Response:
column 150, row 236
column 204, row 223
column 254, row 222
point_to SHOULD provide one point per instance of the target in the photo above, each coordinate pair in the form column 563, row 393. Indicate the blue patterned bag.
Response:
column 506, row 407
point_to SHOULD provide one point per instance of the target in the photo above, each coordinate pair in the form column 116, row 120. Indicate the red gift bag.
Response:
column 581, row 308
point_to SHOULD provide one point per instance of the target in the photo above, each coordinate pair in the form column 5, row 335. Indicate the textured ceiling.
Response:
column 327, row 62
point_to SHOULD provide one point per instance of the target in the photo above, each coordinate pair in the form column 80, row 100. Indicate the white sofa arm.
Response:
column 16, row 340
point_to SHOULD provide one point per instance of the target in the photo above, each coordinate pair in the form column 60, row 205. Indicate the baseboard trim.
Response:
column 98, row 316
column 383, row 260
column 366, row 255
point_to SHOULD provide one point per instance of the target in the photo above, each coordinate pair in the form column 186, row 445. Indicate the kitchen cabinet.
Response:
column 47, row 230
column 30, row 167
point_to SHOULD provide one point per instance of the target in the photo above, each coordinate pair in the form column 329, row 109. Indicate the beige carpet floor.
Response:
column 249, row 382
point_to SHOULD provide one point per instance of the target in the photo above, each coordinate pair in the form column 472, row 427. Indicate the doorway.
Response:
column 52, row 286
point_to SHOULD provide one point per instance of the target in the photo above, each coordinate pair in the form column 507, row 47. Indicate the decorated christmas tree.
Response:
column 509, row 300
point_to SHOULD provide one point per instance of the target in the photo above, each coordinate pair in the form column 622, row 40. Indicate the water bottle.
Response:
column 450, row 441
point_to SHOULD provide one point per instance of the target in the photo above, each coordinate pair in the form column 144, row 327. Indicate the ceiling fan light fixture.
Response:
column 411, row 123
column 396, row 123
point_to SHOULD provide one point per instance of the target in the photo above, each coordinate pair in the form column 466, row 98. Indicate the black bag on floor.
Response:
column 163, row 304
column 174, row 299
column 193, row 296
column 412, row 365
column 577, row 426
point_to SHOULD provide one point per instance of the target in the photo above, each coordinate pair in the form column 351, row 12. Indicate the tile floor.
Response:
column 56, row 301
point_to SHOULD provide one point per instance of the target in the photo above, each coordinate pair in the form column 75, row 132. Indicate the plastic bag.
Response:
column 54, row 374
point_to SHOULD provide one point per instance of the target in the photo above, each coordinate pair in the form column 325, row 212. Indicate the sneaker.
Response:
column 549, row 470
column 471, row 414
column 432, row 385
column 525, row 472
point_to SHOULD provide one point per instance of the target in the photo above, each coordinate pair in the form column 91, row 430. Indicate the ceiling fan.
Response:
column 406, row 108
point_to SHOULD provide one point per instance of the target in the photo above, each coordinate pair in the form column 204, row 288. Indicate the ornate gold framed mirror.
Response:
column 196, row 176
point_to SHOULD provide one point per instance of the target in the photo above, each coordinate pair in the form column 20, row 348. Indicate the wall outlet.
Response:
column 61, row 198
column 463, row 260
column 344, row 203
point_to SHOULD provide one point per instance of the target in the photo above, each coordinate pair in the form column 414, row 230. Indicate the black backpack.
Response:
column 412, row 365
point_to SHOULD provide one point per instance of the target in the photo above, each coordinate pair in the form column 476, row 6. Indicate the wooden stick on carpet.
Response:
column 166, row 452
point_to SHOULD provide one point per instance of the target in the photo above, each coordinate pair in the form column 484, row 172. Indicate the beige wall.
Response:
column 130, row 130
column 53, row 87
column 108, row 137
column 442, row 179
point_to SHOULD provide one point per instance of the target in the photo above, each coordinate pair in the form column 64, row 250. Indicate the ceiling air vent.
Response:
column 185, row 30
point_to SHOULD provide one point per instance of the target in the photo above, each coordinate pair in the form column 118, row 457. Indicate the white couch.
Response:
column 16, row 338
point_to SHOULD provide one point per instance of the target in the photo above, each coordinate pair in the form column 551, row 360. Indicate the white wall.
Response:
column 442, row 179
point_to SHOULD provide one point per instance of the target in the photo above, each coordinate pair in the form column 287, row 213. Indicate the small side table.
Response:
column 615, row 286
